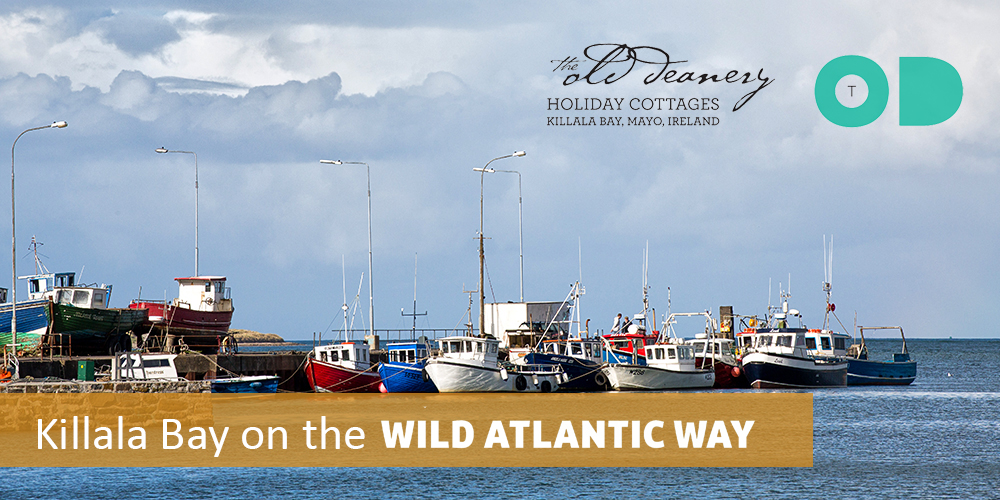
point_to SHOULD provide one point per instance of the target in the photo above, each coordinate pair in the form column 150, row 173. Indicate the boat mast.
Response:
column 414, row 314
column 827, row 279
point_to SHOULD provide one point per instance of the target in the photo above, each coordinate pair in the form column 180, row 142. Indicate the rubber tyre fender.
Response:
column 601, row 379
column 546, row 386
column 520, row 383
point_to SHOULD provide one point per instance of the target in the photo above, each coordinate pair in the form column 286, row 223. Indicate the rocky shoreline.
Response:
column 252, row 337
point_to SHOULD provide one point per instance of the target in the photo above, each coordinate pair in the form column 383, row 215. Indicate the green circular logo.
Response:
column 826, row 95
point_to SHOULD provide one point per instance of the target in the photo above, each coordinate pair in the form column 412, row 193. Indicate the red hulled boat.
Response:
column 342, row 367
column 199, row 317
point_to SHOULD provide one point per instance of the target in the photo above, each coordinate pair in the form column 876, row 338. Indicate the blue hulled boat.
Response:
column 581, row 361
column 33, row 318
column 403, row 371
column 862, row 371
column 253, row 384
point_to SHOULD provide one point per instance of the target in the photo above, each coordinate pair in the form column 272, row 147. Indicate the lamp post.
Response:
column 371, row 293
column 13, row 237
column 482, row 255
column 520, row 231
column 165, row 150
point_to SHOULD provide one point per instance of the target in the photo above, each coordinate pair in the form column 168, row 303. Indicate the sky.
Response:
column 731, row 213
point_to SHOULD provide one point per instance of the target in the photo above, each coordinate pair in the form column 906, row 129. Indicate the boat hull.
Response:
column 200, row 330
column 327, row 377
column 726, row 376
column 624, row 377
column 32, row 322
column 773, row 371
column 580, row 374
column 451, row 375
column 405, row 377
column 94, row 331
column 246, row 385
column 867, row 372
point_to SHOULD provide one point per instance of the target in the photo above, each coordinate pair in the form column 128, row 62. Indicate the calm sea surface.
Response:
column 938, row 438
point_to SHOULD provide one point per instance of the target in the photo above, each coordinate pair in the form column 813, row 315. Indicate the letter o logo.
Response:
column 826, row 97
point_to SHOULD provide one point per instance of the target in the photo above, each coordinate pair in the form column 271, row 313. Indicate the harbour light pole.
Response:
column 520, row 231
column 13, row 238
column 371, row 293
column 165, row 150
column 482, row 255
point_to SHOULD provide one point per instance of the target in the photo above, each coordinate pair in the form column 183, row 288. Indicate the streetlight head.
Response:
column 332, row 162
column 486, row 170
column 518, row 153
column 162, row 150
column 58, row 125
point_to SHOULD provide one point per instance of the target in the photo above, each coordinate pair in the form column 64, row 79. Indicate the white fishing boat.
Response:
column 469, row 364
column 668, row 366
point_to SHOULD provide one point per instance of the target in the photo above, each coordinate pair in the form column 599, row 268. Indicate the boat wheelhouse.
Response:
column 403, row 370
column 344, row 367
column 470, row 364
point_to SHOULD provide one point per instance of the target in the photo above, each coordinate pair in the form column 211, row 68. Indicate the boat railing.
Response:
column 402, row 335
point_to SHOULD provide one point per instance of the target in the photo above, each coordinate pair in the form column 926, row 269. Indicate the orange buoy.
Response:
column 382, row 389
column 735, row 371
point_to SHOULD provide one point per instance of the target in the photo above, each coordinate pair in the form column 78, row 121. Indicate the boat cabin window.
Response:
column 764, row 341
column 685, row 352
column 81, row 298
column 810, row 342
column 208, row 286
column 33, row 286
column 699, row 347
column 783, row 341
column 671, row 354
column 98, row 297
column 838, row 343
column 347, row 355
column 826, row 343
column 421, row 353
column 493, row 348
column 576, row 349
column 334, row 356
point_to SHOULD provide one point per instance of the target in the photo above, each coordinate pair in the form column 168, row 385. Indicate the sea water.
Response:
column 937, row 438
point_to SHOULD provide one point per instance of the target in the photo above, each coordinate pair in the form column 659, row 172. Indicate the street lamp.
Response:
column 371, row 293
column 482, row 255
column 165, row 150
column 520, row 231
column 13, row 238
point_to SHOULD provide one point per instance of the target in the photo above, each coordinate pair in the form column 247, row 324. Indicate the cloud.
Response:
column 136, row 34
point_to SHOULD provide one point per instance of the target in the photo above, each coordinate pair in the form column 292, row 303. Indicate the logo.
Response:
column 852, row 91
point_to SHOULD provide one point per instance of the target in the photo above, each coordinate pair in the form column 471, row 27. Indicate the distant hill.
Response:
column 250, row 336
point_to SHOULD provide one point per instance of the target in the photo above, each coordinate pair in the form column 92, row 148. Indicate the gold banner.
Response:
column 407, row 430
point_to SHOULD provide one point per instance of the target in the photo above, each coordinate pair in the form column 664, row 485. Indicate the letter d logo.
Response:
column 930, row 91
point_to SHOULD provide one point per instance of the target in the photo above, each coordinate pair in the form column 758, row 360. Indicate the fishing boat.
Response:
column 343, row 367
column 470, row 364
column 80, row 321
column 580, row 359
column 199, row 317
column 711, row 351
column 144, row 366
column 776, row 356
column 33, row 318
column 403, row 370
column 667, row 366
column 901, row 370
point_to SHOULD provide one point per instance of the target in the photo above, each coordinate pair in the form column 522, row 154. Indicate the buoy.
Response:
column 381, row 388
column 735, row 371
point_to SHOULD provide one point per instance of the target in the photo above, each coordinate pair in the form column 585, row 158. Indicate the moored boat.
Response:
column 779, row 357
column 344, row 367
column 580, row 360
column 403, row 370
column 667, row 366
column 901, row 370
column 469, row 364
column 250, row 384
